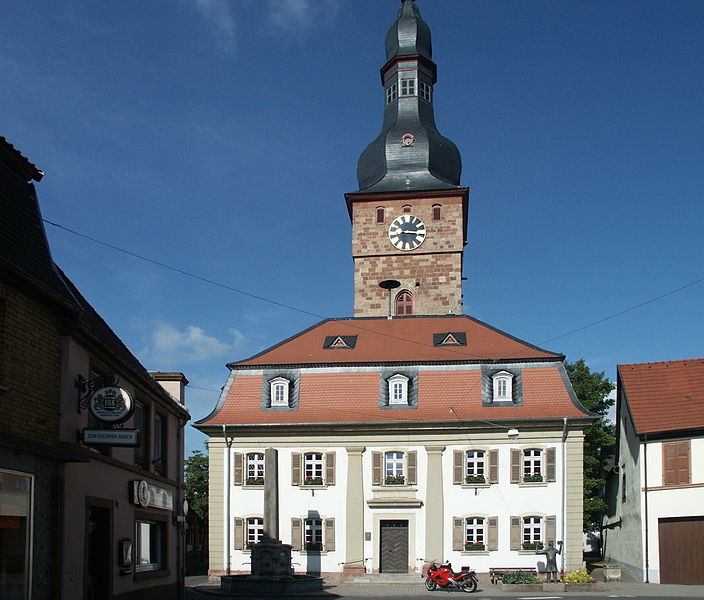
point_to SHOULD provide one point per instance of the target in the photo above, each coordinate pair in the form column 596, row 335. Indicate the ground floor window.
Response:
column 532, row 533
column 255, row 530
column 150, row 545
column 15, row 534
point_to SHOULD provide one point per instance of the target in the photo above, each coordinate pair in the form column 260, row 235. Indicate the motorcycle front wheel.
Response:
column 469, row 586
column 430, row 585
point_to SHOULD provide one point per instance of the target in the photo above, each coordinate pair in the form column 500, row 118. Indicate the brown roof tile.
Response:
column 664, row 396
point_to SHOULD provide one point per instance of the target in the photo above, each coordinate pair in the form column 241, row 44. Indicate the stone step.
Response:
column 388, row 578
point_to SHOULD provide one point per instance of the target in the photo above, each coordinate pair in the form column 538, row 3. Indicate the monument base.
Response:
column 249, row 585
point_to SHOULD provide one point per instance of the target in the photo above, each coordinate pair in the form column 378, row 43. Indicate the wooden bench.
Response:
column 496, row 573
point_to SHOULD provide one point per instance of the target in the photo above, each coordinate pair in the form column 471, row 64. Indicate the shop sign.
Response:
column 151, row 496
column 111, row 404
column 111, row 437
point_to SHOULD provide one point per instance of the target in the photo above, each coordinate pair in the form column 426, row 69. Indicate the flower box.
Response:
column 313, row 481
column 532, row 545
column 313, row 546
column 254, row 481
column 395, row 480
column 534, row 478
column 475, row 479
column 476, row 546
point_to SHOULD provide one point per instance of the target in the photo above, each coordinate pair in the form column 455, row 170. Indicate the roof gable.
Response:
column 664, row 396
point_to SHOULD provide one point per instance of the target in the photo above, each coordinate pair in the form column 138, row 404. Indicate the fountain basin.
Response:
column 247, row 585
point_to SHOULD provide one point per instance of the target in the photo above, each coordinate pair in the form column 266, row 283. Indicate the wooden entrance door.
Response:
column 98, row 557
column 394, row 546
column 681, row 542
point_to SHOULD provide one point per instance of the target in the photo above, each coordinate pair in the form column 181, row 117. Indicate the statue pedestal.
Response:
column 271, row 558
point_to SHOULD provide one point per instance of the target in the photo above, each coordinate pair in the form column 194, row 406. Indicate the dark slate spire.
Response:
column 410, row 153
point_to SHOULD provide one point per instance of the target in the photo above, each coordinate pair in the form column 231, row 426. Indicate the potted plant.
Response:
column 475, row 479
column 394, row 480
column 254, row 481
column 474, row 546
column 313, row 546
column 310, row 480
column 533, row 478
column 532, row 545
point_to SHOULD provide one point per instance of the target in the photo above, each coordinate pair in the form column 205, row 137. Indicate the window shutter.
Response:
column 296, row 468
column 457, row 533
column 296, row 534
column 683, row 474
column 493, row 466
column 550, row 464
column 376, row 468
column 515, row 465
column 238, row 468
column 329, row 468
column 669, row 453
column 457, row 467
column 550, row 529
column 492, row 536
column 329, row 535
column 515, row 533
column 411, row 460
column 239, row 533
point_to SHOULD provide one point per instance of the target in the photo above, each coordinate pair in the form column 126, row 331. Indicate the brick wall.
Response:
column 30, row 366
column 432, row 272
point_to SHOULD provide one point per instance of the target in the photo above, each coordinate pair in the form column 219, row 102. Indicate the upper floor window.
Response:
column 140, row 423
column 408, row 86
column 404, row 303
column 255, row 468
column 437, row 212
column 426, row 91
column 476, row 466
column 391, row 93
column 533, row 465
column 503, row 385
column 398, row 389
column 380, row 215
column 394, row 467
column 675, row 463
column 279, row 391
column 160, row 444
column 313, row 468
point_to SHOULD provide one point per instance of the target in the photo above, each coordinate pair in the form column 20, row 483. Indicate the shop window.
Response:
column 15, row 534
column 150, row 545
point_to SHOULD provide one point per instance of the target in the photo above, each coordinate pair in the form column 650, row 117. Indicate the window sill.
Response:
column 475, row 485
column 147, row 574
column 396, row 486
column 252, row 487
column 528, row 552
column 533, row 484
column 313, row 552
column 475, row 552
column 313, row 487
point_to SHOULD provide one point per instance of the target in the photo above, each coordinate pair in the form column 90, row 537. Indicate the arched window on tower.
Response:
column 380, row 215
column 407, row 208
column 404, row 303
column 437, row 212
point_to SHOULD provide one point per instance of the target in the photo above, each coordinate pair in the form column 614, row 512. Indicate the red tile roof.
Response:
column 353, row 397
column 664, row 396
column 404, row 339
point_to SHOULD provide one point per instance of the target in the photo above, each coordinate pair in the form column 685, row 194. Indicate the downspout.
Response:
column 227, row 502
column 645, row 468
column 180, row 521
column 564, row 490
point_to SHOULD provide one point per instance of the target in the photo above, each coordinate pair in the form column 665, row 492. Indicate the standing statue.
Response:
column 551, row 563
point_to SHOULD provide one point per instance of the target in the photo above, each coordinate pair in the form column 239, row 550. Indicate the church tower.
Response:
column 409, row 217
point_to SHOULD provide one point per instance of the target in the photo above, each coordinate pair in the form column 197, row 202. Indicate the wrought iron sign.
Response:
column 108, row 402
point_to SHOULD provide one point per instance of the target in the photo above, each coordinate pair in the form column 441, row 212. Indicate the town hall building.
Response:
column 411, row 432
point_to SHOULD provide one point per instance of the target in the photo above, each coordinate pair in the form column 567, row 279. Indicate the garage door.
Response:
column 681, row 550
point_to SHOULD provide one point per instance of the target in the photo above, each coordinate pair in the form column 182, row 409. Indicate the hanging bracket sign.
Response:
column 111, row 404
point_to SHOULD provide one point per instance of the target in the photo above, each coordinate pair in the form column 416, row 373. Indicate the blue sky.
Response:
column 219, row 137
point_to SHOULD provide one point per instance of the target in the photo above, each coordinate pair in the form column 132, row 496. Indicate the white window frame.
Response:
column 391, row 93
column 394, row 465
column 148, row 557
column 398, row 390
column 279, row 388
column 532, row 460
column 313, row 530
column 532, row 529
column 254, row 530
column 425, row 91
column 255, row 465
column 407, row 86
column 503, row 385
column 313, row 465
column 476, row 463
column 475, row 530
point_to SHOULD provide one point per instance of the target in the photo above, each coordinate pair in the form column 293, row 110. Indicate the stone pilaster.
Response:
column 354, row 517
column 434, row 505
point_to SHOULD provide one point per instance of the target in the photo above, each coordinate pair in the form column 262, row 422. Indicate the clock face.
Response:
column 407, row 232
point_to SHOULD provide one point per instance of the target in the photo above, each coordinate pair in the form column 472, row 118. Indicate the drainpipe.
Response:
column 564, row 489
column 227, row 501
column 645, row 468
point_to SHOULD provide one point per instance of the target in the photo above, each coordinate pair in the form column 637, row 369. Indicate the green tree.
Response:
column 196, row 481
column 593, row 390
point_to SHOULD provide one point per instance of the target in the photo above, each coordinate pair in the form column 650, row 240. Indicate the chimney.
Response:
column 174, row 383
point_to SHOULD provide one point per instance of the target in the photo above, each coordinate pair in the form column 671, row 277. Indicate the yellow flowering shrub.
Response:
column 580, row 576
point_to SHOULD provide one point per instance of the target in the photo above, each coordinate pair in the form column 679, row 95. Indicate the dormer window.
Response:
column 279, row 391
column 398, row 389
column 408, row 87
column 391, row 93
column 503, row 385
column 426, row 91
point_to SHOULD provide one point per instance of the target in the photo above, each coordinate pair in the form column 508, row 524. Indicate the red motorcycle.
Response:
column 443, row 576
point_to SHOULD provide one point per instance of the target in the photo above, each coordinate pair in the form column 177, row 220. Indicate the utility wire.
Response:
column 356, row 325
